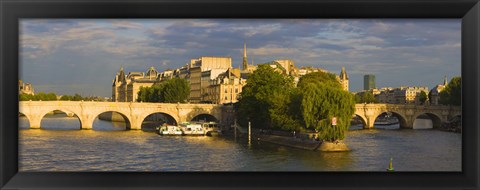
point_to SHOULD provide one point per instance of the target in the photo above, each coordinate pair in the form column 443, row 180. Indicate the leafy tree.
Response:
column 66, row 98
column 452, row 94
column 40, row 96
column 422, row 97
column 320, row 102
column 169, row 91
column 51, row 97
column 265, row 99
column 25, row 97
column 77, row 97
column 142, row 94
column 365, row 97
column 175, row 90
column 324, row 78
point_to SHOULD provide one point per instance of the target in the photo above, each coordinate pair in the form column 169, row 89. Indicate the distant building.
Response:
column 409, row 95
column 197, row 66
column 401, row 95
column 386, row 95
column 343, row 78
column 368, row 82
column 434, row 94
column 247, row 68
column 226, row 88
column 25, row 88
column 125, row 87
column 207, row 76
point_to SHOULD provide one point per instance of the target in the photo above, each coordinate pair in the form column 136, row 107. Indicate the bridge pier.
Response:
column 86, row 122
column 369, row 122
column 35, row 121
column 135, row 123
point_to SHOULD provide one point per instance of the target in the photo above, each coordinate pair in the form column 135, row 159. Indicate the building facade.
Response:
column 202, row 64
column 434, row 94
column 225, row 88
column 25, row 88
column 125, row 87
column 401, row 95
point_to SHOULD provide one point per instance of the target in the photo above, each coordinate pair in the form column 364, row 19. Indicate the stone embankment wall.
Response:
column 454, row 125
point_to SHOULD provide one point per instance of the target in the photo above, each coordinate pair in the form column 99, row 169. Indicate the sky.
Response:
column 68, row 56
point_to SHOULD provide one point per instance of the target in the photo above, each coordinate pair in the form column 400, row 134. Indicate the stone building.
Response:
column 25, row 88
column 202, row 64
column 207, row 76
column 386, row 95
column 401, row 95
column 225, row 88
column 125, row 87
column 434, row 94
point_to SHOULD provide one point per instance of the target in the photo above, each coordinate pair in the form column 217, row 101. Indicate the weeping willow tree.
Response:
column 320, row 102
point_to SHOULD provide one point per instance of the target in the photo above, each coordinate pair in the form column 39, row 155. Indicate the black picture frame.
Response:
column 12, row 10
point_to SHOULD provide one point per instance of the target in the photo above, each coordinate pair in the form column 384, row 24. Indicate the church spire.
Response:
column 343, row 74
column 445, row 81
column 245, row 60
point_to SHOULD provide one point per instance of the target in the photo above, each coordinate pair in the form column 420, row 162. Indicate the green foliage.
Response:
column 452, row 94
column 265, row 100
column 77, row 97
column 365, row 97
column 26, row 97
column 53, row 97
column 176, row 90
column 422, row 97
column 320, row 102
column 270, row 100
column 169, row 91
column 38, row 97
column 66, row 97
column 327, row 79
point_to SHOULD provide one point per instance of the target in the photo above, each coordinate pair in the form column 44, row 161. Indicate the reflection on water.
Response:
column 422, row 124
column 109, row 148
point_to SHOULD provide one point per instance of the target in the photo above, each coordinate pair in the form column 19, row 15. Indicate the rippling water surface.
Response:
column 60, row 147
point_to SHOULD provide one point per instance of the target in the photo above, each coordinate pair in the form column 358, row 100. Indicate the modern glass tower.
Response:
column 368, row 82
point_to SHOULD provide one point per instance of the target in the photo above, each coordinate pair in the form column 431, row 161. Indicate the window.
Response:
column 236, row 90
column 225, row 97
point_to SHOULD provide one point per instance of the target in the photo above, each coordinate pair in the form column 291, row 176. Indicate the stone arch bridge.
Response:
column 407, row 113
column 134, row 113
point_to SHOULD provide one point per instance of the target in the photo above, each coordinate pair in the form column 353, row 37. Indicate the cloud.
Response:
column 362, row 45
column 123, row 24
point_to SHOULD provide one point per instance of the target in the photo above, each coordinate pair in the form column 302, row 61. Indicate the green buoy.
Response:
column 390, row 167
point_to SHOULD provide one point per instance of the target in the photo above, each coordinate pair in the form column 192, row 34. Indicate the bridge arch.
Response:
column 27, row 120
column 68, row 112
column 204, row 117
column 362, row 119
column 165, row 116
column 113, row 117
column 402, row 119
column 436, row 119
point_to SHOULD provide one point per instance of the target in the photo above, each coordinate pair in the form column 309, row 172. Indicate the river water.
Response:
column 59, row 147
